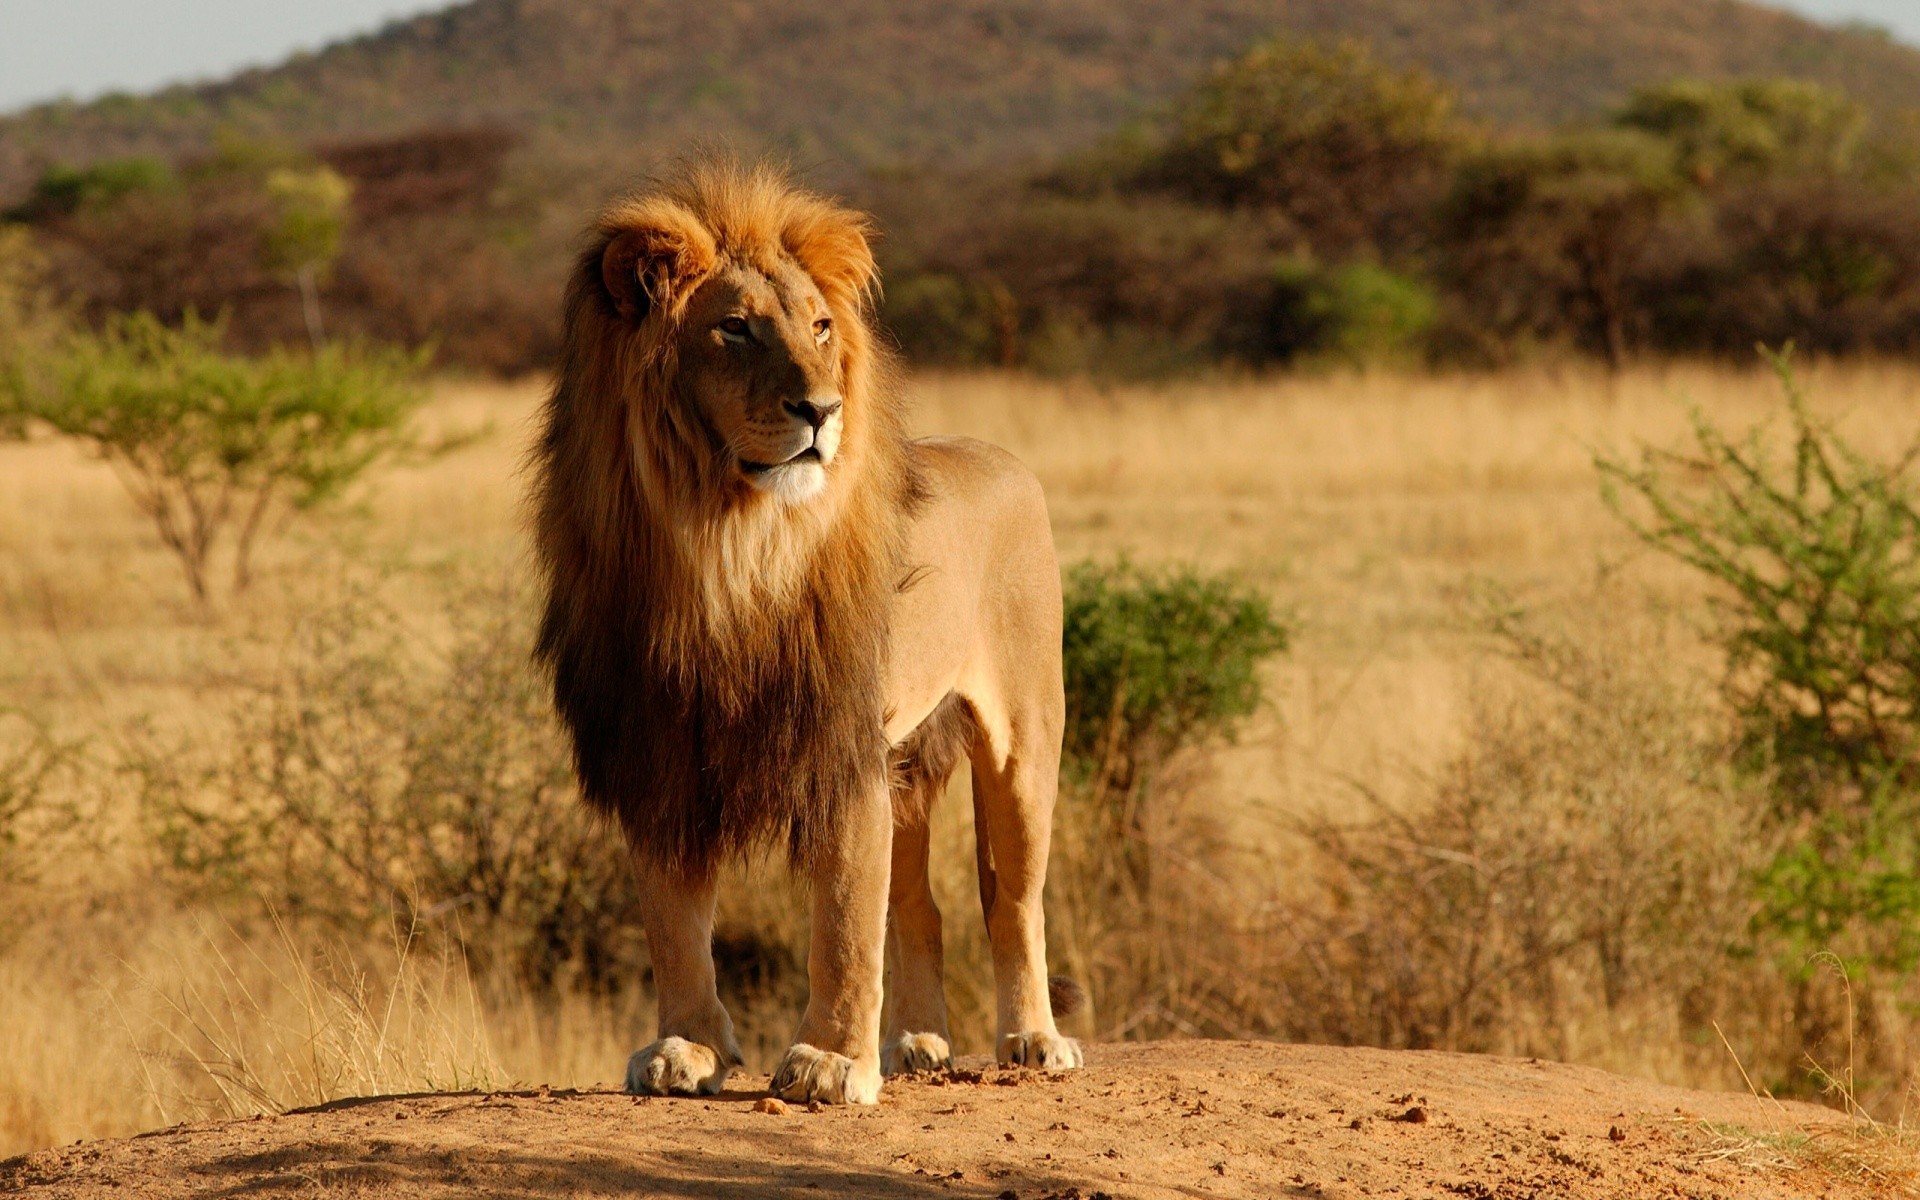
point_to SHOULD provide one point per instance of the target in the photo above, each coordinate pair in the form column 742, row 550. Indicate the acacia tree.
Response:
column 1349, row 149
column 1813, row 548
column 1749, row 128
column 310, row 223
column 1543, row 234
column 209, row 444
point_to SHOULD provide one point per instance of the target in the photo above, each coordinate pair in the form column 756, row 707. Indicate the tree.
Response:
column 1749, row 128
column 1544, row 232
column 62, row 191
column 1350, row 149
column 208, row 444
column 310, row 208
column 30, row 323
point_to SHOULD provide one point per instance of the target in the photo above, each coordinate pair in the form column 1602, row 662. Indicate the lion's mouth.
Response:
column 810, row 454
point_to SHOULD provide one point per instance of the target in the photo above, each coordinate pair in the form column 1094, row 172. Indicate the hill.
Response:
column 1165, row 1120
column 874, row 83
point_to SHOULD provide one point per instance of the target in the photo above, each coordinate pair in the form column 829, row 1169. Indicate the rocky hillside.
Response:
column 876, row 83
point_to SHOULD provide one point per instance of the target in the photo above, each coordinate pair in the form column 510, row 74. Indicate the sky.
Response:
column 82, row 48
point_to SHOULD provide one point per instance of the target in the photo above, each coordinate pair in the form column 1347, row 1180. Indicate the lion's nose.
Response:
column 814, row 410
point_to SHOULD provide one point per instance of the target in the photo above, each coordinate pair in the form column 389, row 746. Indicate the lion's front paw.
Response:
column 1047, row 1051
column 676, row 1066
column 806, row 1074
column 912, row 1052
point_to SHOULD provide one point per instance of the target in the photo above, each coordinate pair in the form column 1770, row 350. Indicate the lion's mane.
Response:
column 717, row 656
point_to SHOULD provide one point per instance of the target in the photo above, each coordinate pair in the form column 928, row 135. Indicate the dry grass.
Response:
column 1370, row 506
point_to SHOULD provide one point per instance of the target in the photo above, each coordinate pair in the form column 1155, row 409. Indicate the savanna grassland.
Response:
column 1437, row 544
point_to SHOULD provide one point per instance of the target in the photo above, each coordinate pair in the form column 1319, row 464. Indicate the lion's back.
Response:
column 983, row 477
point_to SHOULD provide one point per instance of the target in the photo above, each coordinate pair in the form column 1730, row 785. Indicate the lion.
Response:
column 772, row 618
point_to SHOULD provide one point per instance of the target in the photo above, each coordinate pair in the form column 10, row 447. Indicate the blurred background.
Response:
column 1478, row 436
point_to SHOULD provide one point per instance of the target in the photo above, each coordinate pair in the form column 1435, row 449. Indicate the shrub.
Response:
column 1107, row 284
column 63, row 191
column 943, row 318
column 1831, row 265
column 1580, row 863
column 1160, row 666
column 374, row 788
column 1359, row 314
column 29, row 759
column 1816, row 557
column 209, row 444
column 1156, row 662
column 433, row 250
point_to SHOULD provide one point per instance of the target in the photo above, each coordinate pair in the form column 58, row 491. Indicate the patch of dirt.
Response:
column 1173, row 1119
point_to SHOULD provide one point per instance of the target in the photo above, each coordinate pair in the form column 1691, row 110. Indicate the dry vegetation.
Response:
column 881, row 82
column 1402, row 521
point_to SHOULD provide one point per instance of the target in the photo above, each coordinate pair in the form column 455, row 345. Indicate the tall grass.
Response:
column 288, row 1024
column 1438, row 829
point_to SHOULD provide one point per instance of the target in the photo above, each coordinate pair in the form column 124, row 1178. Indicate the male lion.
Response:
column 771, row 617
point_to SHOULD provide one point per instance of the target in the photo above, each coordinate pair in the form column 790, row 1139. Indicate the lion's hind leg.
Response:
column 916, row 1037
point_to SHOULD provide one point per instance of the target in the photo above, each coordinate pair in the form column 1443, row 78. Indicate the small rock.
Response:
column 1616, row 1134
column 1414, row 1116
column 815, row 1106
column 771, row 1105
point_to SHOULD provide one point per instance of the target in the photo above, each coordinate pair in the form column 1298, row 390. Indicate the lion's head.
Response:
column 722, row 486
column 733, row 305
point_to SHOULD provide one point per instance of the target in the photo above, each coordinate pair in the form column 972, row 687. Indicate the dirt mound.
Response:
column 1171, row 1119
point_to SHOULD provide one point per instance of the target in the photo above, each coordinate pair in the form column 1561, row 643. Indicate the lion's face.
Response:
column 743, row 303
column 759, row 359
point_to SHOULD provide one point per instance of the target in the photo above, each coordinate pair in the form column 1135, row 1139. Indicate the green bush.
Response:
column 1157, row 661
column 62, row 191
column 210, row 444
column 1816, row 556
column 1360, row 314
column 1159, row 664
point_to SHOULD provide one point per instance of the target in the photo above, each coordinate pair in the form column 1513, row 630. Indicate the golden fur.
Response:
column 773, row 619
column 717, row 656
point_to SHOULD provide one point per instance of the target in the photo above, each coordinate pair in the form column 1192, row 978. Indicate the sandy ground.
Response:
column 1170, row 1119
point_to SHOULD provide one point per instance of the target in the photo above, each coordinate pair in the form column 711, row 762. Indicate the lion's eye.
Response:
column 734, row 327
column 822, row 330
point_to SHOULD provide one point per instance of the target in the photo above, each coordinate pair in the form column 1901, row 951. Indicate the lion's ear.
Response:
column 654, row 259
